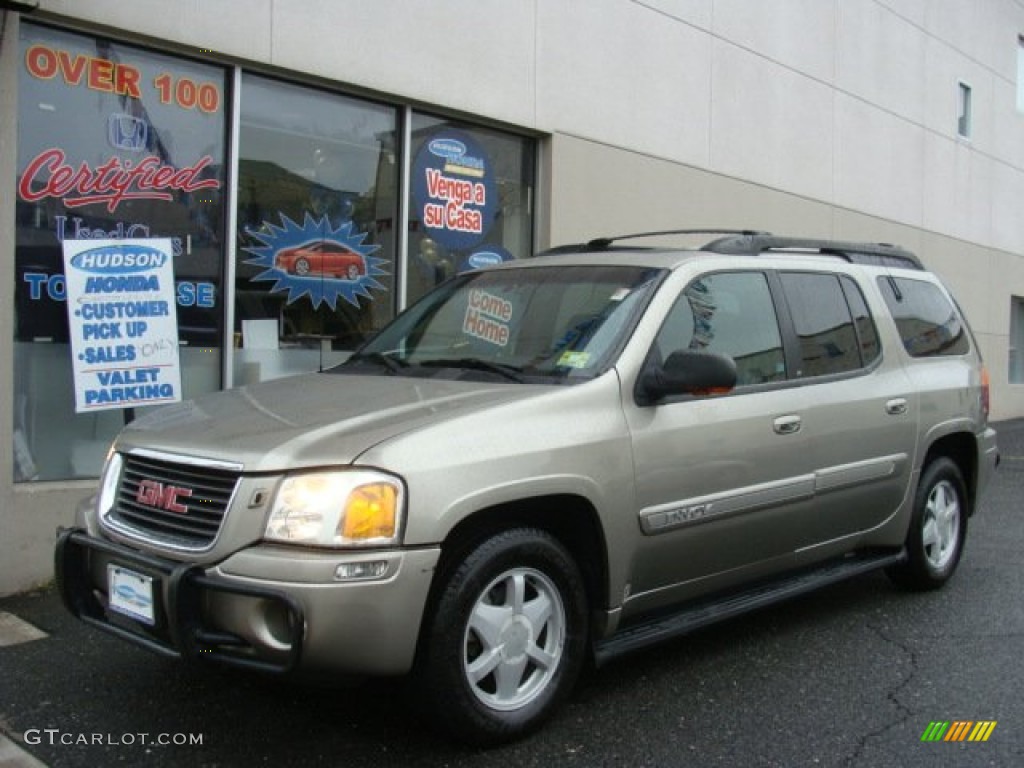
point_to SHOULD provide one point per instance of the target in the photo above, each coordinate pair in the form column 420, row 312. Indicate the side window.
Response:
column 731, row 313
column 824, row 326
column 927, row 320
column 867, row 334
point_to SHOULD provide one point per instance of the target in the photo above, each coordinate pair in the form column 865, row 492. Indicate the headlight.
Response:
column 337, row 509
column 108, row 482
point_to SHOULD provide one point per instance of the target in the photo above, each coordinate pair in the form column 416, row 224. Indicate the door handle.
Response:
column 787, row 425
column 896, row 407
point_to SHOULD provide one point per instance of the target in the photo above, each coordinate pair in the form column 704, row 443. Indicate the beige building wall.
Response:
column 832, row 118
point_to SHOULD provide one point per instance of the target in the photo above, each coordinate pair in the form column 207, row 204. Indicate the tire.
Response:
column 938, row 528
column 301, row 266
column 506, row 640
column 353, row 272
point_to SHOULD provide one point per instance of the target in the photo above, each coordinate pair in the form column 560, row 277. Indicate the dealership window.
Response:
column 1016, row 367
column 317, row 205
column 325, row 250
column 91, row 110
column 471, row 200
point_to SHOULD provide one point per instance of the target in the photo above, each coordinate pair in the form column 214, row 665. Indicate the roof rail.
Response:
column 881, row 254
column 603, row 242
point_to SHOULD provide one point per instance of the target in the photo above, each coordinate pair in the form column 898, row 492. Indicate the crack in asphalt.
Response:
column 892, row 695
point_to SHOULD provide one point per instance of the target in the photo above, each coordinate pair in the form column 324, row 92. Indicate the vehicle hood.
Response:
column 315, row 419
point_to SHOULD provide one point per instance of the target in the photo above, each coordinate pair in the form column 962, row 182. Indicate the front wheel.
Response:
column 507, row 638
column 938, row 528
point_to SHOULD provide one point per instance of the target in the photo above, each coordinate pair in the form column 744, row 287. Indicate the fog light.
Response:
column 372, row 569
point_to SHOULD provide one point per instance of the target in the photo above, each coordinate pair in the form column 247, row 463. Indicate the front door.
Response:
column 725, row 484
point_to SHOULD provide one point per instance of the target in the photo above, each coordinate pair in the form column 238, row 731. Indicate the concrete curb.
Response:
column 13, row 756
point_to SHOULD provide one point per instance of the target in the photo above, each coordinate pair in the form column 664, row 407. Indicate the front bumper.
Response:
column 263, row 609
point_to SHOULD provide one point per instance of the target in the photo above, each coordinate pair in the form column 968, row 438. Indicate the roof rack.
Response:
column 880, row 254
column 603, row 242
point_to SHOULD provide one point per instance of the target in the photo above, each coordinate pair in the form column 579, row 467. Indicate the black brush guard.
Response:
column 179, row 588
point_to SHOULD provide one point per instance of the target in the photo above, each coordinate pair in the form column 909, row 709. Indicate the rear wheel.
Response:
column 507, row 638
column 938, row 528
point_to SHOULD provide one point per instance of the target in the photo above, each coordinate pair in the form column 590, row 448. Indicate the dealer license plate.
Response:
column 130, row 593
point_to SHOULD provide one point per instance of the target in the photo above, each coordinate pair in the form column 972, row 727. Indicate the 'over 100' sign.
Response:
column 123, row 323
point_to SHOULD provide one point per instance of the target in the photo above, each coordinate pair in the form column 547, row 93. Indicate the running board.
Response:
column 710, row 611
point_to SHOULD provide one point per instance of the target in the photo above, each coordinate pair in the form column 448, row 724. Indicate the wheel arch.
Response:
column 571, row 519
column 962, row 449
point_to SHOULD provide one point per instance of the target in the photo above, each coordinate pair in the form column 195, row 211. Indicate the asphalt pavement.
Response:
column 854, row 675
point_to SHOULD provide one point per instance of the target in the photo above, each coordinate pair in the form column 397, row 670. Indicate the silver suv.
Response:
column 561, row 458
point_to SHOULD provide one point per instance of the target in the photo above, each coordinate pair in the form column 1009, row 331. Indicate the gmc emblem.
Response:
column 160, row 496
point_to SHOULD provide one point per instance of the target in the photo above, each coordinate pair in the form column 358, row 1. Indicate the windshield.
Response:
column 531, row 324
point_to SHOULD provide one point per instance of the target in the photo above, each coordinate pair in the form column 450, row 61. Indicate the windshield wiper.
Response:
column 393, row 364
column 510, row 372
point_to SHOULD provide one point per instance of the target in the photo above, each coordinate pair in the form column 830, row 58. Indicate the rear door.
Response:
column 859, row 410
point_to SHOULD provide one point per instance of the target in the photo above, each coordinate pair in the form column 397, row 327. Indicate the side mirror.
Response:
column 687, row 373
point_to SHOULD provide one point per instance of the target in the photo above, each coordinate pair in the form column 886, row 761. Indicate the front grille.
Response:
column 182, row 505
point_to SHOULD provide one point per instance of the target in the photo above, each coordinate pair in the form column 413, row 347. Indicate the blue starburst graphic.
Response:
column 316, row 274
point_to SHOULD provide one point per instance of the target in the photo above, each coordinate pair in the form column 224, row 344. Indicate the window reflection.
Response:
column 316, row 213
column 472, row 192
column 141, row 118
column 732, row 314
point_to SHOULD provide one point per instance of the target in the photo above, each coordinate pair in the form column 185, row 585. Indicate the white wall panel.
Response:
column 476, row 56
column 625, row 74
column 1008, row 208
column 880, row 58
column 1007, row 124
column 986, row 30
column 241, row 28
column 957, row 189
column 795, row 33
column 914, row 11
column 696, row 12
column 770, row 124
column 879, row 162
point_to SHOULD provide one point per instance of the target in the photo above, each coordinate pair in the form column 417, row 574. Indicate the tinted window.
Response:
column 730, row 313
column 927, row 320
column 828, row 340
column 867, row 334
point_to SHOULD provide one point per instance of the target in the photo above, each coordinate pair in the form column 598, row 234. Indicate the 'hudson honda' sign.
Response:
column 123, row 324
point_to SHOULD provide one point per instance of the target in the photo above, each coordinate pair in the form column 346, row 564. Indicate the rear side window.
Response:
column 830, row 341
column 927, row 320
column 867, row 334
